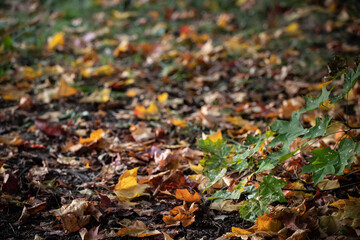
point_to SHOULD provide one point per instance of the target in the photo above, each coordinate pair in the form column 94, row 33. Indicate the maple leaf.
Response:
column 184, row 194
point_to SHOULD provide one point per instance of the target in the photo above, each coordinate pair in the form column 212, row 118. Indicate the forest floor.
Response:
column 102, row 104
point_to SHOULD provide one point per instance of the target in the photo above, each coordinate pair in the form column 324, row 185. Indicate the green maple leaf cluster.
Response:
column 221, row 157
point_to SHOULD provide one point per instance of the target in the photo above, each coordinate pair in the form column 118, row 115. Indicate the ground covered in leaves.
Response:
column 103, row 103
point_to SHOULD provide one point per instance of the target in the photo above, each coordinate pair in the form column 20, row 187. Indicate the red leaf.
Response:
column 51, row 130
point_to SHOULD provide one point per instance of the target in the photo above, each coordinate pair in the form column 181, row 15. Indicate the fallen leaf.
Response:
column 102, row 96
column 180, row 215
column 51, row 130
column 64, row 90
column 57, row 40
column 137, row 229
column 184, row 194
column 162, row 97
column 178, row 122
column 215, row 136
column 225, row 205
column 12, row 138
column 94, row 137
column 151, row 112
column 92, row 234
column 128, row 188
column 293, row 29
column 327, row 184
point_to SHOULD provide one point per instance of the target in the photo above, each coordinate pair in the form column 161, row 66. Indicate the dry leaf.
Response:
column 94, row 137
column 184, row 194
column 64, row 90
column 57, row 40
column 128, row 188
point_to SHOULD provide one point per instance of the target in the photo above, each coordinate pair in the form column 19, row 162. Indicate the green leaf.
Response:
column 347, row 150
column 252, row 208
column 271, row 189
column 288, row 130
column 327, row 161
column 272, row 159
column 216, row 154
column 240, row 164
column 319, row 129
column 214, row 176
column 350, row 79
column 312, row 103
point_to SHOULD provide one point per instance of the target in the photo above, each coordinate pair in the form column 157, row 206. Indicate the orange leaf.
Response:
column 12, row 138
column 184, row 194
column 181, row 214
column 267, row 223
column 215, row 136
column 146, row 113
column 240, row 231
column 65, row 90
column 94, row 137
column 178, row 122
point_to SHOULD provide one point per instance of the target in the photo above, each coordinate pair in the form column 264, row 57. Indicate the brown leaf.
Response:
column 92, row 234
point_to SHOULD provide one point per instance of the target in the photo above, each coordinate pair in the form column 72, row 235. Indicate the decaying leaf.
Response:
column 137, row 229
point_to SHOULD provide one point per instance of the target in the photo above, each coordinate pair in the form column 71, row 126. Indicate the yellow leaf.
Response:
column 99, row 97
column 327, row 105
column 105, row 70
column 196, row 168
column 178, row 122
column 57, row 40
column 127, row 180
column 184, row 194
column 293, row 29
column 131, row 93
column 237, row 120
column 146, row 113
column 29, row 73
column 122, row 15
column 215, row 136
column 128, row 188
column 94, row 137
column 65, row 90
column 162, row 97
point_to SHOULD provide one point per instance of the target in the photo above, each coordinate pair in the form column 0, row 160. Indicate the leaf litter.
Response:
column 105, row 104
